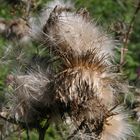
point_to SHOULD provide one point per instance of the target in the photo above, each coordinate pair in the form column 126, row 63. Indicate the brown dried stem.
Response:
column 128, row 34
column 41, row 130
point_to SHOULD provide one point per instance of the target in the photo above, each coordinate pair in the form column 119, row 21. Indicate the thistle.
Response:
column 84, row 89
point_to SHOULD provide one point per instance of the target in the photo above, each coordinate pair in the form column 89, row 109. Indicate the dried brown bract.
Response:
column 84, row 89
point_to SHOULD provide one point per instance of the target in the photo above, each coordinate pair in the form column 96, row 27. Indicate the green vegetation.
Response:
column 114, row 15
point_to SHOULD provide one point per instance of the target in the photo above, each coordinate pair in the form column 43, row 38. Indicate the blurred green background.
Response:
column 115, row 17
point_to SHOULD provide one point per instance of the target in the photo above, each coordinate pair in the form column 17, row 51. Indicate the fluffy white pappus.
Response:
column 101, row 88
column 107, row 93
column 31, row 84
column 36, row 26
column 62, row 3
column 111, row 86
column 28, row 89
column 73, row 31
column 37, row 23
column 117, row 126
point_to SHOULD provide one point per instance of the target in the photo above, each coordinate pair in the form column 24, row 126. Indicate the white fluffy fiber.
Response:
column 73, row 30
column 81, row 35
column 27, row 88
column 37, row 23
column 117, row 127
